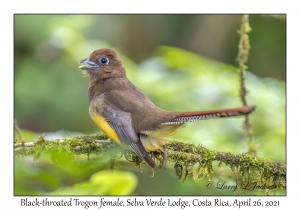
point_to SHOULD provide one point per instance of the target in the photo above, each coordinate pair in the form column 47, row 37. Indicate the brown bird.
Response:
column 127, row 115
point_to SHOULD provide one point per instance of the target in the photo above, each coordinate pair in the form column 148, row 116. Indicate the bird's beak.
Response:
column 87, row 64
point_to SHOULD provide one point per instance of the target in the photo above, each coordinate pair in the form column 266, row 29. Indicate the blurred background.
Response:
column 182, row 62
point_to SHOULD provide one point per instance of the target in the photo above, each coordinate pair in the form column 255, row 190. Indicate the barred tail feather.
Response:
column 185, row 117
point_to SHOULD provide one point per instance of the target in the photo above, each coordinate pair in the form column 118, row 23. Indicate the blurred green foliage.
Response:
column 50, row 93
column 103, row 183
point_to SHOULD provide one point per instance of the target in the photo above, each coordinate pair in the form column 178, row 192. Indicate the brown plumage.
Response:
column 127, row 115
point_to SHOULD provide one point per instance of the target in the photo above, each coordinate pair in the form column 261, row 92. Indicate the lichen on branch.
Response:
column 242, row 58
column 189, row 159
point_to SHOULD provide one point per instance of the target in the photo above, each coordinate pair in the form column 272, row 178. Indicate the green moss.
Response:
column 189, row 159
column 246, row 166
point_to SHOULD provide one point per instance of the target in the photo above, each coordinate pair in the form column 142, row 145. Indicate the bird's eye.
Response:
column 103, row 60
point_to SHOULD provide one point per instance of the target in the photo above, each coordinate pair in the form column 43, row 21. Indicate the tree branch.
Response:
column 242, row 58
column 189, row 158
column 17, row 129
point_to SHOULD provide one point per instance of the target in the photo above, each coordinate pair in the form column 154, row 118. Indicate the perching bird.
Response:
column 127, row 115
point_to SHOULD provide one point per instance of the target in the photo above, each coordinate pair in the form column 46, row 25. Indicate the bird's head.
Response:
column 103, row 64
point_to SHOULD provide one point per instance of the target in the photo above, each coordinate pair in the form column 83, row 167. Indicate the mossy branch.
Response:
column 189, row 158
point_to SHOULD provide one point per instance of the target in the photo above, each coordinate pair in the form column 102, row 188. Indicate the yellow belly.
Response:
column 95, row 110
column 105, row 127
column 156, row 139
column 153, row 141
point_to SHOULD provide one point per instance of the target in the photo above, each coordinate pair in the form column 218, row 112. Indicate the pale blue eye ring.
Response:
column 103, row 60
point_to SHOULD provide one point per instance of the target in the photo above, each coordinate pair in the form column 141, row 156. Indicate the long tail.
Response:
column 185, row 117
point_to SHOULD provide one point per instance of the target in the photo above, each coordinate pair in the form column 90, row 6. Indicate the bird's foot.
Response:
column 165, row 160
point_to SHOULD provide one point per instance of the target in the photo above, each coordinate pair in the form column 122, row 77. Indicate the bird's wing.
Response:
column 120, row 121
